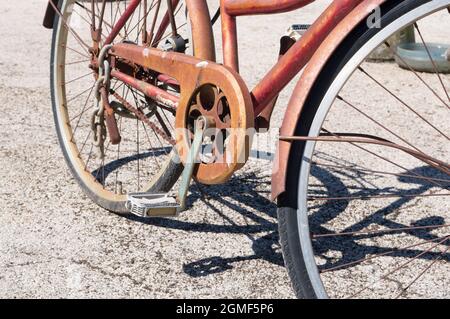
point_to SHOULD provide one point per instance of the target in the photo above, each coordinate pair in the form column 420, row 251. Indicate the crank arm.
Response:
column 163, row 205
column 201, row 125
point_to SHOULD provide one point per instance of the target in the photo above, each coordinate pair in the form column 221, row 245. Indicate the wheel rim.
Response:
column 326, row 254
column 142, row 166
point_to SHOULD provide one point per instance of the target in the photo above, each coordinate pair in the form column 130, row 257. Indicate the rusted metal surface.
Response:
column 300, row 94
column 374, row 140
column 171, row 4
column 148, row 89
column 252, row 7
column 110, row 119
column 131, row 7
column 140, row 115
column 164, row 23
column 317, row 45
column 295, row 59
column 289, row 65
column 164, row 78
column 299, row 55
column 229, row 38
column 192, row 73
column 262, row 121
column 203, row 38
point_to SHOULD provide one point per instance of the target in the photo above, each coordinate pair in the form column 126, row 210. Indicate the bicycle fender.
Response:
column 50, row 14
column 303, row 87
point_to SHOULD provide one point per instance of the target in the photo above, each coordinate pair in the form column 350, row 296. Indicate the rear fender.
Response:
column 50, row 14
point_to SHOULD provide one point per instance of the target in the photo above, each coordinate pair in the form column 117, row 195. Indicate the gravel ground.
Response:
column 54, row 242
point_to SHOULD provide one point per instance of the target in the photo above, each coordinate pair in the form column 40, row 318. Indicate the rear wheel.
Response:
column 144, row 160
column 369, row 218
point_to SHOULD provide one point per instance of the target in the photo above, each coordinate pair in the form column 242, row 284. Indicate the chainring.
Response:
column 224, row 100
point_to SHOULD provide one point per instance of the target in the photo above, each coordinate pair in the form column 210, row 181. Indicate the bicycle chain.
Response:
column 97, row 119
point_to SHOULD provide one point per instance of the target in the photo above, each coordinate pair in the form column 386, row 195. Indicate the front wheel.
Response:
column 371, row 211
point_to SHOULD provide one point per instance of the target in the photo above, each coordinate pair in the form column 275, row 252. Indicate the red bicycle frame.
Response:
column 288, row 66
column 311, row 52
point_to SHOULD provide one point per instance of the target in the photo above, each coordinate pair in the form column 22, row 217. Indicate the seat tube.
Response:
column 229, row 38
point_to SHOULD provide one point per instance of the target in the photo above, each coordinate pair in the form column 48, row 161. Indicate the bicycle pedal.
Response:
column 296, row 31
column 152, row 205
column 163, row 205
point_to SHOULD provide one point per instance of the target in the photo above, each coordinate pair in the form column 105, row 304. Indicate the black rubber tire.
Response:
column 163, row 184
column 287, row 202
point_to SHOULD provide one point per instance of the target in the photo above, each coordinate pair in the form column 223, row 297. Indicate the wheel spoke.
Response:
column 346, row 102
column 78, row 78
column 417, row 75
column 401, row 266
column 117, row 159
column 383, row 231
column 386, row 253
column 435, row 260
column 403, row 103
column 155, row 18
column 125, row 169
column 432, row 60
column 76, row 51
column 77, row 95
column 102, row 14
column 75, row 34
column 82, row 112
column 385, row 159
column 374, row 174
column 171, row 16
column 346, row 198
column 138, row 156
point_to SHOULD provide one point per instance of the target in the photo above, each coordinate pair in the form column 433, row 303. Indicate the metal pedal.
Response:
column 163, row 205
column 296, row 31
column 152, row 205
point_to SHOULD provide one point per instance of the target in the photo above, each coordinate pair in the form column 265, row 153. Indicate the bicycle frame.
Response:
column 316, row 46
column 288, row 66
column 297, row 56
column 343, row 13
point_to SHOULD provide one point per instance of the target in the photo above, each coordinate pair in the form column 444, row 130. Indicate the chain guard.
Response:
column 193, row 74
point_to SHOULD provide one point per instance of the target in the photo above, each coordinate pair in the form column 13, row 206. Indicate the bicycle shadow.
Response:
column 230, row 197
column 242, row 192
column 351, row 249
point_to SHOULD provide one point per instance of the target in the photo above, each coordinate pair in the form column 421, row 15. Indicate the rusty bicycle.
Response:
column 361, row 175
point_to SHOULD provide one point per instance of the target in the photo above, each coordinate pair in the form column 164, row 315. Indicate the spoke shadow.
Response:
column 102, row 173
column 351, row 249
column 240, row 195
column 262, row 247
